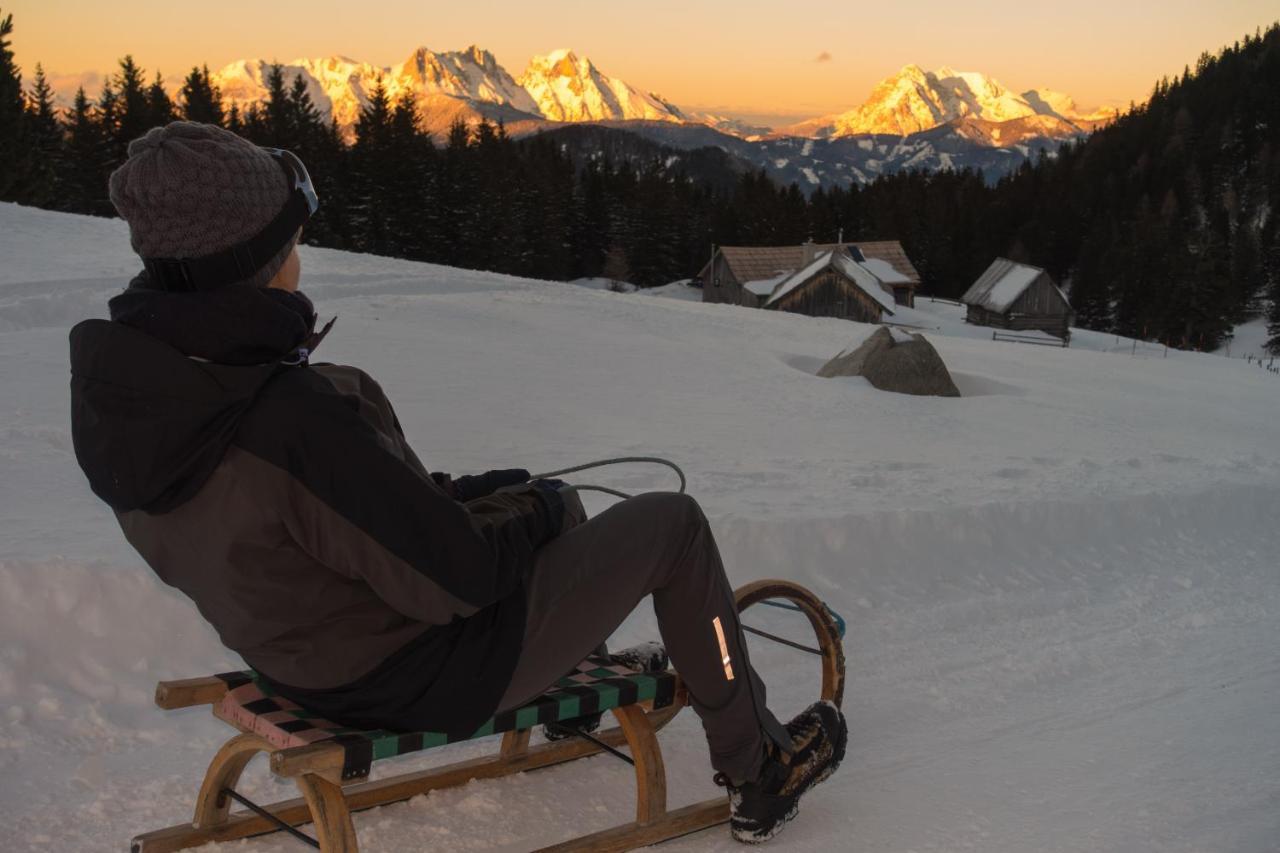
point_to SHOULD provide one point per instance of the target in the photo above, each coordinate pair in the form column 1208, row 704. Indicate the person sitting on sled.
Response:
column 282, row 497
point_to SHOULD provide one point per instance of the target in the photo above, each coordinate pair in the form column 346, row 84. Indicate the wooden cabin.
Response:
column 1010, row 295
column 834, row 284
column 747, row 275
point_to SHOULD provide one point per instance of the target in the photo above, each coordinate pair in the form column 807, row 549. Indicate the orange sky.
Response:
column 740, row 56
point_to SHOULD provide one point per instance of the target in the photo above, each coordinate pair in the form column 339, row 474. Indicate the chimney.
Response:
column 810, row 251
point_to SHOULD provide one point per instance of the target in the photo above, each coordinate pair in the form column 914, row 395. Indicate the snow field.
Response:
column 1061, row 589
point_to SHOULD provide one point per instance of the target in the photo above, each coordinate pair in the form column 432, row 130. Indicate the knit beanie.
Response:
column 190, row 189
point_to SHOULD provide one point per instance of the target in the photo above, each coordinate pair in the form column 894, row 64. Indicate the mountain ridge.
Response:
column 565, row 86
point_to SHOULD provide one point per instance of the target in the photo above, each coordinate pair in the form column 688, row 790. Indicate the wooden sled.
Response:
column 330, row 764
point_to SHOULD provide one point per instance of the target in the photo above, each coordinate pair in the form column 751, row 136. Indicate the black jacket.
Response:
column 285, row 502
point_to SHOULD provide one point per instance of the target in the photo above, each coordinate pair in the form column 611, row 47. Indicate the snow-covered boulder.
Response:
column 910, row 366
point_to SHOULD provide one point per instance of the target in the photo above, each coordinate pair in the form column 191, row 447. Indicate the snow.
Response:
column 1007, row 290
column 1061, row 588
column 867, row 281
column 1248, row 339
column 681, row 289
column 567, row 87
column 799, row 277
column 809, row 175
column 884, row 271
column 765, row 286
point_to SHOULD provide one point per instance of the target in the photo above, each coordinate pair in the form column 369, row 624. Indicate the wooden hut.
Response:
column 746, row 275
column 1010, row 295
column 834, row 284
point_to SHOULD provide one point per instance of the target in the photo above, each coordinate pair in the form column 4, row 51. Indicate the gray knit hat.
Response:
column 190, row 189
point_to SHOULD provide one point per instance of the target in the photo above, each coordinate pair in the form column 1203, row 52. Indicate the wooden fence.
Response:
column 1016, row 338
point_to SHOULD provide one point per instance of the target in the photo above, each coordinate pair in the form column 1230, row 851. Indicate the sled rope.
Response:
column 266, row 815
column 577, row 732
column 656, row 460
column 778, row 639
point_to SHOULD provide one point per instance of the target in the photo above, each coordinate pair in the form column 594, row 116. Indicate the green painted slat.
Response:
column 570, row 707
column 527, row 717
column 386, row 747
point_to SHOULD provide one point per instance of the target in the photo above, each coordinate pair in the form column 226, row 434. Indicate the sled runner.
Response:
column 330, row 764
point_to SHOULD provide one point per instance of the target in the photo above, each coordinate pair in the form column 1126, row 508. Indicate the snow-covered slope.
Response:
column 570, row 88
column 915, row 100
column 1061, row 589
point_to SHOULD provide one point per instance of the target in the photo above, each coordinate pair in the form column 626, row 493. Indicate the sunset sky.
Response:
column 755, row 59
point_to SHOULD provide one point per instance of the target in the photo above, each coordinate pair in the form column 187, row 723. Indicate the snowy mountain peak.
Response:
column 340, row 86
column 916, row 100
column 568, row 87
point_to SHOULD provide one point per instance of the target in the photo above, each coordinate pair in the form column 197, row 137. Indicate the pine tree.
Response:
column 1271, row 267
column 134, row 114
column 44, row 146
column 304, row 119
column 200, row 100
column 84, row 185
column 278, row 130
column 372, row 179
column 160, row 108
column 12, row 115
column 410, row 158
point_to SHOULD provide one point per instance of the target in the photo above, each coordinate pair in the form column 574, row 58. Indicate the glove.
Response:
column 562, row 503
column 474, row 486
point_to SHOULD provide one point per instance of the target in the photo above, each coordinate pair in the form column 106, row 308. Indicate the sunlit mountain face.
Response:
column 941, row 119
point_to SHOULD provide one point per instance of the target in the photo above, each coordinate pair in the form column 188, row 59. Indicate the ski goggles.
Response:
column 299, row 175
column 241, row 261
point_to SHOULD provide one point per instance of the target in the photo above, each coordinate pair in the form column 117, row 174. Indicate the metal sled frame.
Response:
column 327, row 800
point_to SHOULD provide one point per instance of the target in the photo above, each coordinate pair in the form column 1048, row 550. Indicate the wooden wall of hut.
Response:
column 721, row 286
column 1059, row 326
column 830, row 294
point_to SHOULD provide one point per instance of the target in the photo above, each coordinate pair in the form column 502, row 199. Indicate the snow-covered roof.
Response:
column 1002, row 284
column 755, row 263
column 799, row 277
column 765, row 286
column 865, row 280
column 884, row 271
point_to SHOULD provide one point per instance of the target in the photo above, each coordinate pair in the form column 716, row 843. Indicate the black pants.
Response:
column 586, row 582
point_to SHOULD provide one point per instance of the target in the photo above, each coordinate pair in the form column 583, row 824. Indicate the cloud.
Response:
column 825, row 56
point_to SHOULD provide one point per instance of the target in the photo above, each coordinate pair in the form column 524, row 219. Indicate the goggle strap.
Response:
column 235, row 264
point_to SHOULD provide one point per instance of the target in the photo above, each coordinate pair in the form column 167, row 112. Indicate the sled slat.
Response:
column 187, row 692
column 629, row 836
column 367, row 795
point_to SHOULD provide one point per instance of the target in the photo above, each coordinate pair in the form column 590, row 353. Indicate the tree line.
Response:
column 1164, row 225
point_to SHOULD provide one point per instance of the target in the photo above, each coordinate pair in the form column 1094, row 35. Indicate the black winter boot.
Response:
column 759, row 809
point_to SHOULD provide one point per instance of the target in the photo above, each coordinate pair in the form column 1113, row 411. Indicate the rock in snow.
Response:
column 910, row 366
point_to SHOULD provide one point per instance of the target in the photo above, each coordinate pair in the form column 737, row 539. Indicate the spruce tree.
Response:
column 84, row 185
column 160, row 107
column 41, row 185
column 134, row 116
column 304, row 119
column 278, row 129
column 372, row 176
column 199, row 99
column 12, row 115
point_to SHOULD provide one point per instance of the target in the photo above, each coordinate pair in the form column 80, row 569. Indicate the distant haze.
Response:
column 765, row 62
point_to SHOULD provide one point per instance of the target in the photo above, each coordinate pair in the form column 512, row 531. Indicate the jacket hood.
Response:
column 158, row 392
